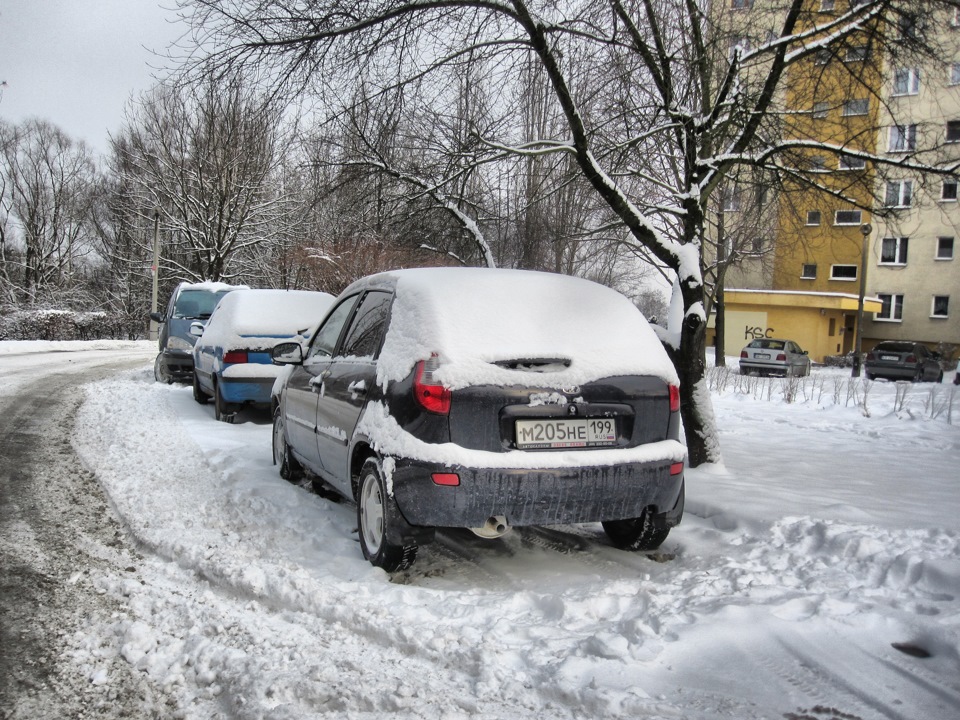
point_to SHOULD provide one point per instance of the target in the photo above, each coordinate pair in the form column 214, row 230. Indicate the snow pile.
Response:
column 826, row 537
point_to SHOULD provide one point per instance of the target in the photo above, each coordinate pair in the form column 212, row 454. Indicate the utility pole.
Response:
column 155, row 269
column 865, row 231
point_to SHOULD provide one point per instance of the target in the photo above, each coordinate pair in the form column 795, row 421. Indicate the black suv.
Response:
column 903, row 360
column 484, row 399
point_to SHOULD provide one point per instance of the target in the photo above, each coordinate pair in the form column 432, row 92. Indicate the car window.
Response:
column 325, row 341
column 196, row 304
column 366, row 330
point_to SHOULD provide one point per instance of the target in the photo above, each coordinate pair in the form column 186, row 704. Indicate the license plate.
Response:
column 762, row 356
column 889, row 357
column 566, row 433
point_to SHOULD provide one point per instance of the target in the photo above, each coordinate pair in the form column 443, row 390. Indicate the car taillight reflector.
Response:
column 235, row 356
column 870, row 356
column 432, row 397
column 676, row 468
column 782, row 357
column 449, row 479
column 743, row 353
column 911, row 358
column 674, row 398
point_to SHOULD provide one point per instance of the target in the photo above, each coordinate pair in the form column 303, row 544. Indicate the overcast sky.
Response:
column 76, row 63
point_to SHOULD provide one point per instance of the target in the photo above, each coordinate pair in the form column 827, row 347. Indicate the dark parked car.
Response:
column 902, row 360
column 189, row 303
column 232, row 362
column 770, row 356
column 484, row 399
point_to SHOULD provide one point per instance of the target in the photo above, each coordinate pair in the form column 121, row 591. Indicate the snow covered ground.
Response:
column 829, row 534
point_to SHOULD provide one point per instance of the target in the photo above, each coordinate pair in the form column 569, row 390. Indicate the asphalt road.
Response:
column 55, row 527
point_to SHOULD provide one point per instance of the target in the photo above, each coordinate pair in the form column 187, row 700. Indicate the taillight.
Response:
column 674, row 398
column 870, row 356
column 235, row 356
column 782, row 357
column 676, row 468
column 432, row 397
column 911, row 358
column 743, row 354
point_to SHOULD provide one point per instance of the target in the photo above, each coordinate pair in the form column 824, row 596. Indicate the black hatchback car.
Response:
column 484, row 399
column 902, row 360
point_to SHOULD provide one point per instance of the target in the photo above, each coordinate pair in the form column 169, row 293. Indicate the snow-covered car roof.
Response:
column 210, row 286
column 473, row 318
column 265, row 314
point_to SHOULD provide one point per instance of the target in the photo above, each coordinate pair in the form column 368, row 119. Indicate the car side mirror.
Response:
column 196, row 329
column 805, row 352
column 288, row 353
column 157, row 317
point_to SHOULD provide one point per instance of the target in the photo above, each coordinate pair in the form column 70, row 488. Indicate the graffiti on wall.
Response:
column 755, row 333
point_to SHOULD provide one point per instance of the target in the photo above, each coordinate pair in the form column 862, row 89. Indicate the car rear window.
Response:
column 767, row 344
column 895, row 347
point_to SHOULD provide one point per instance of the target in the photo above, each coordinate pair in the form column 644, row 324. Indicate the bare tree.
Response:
column 48, row 185
column 653, row 123
column 206, row 156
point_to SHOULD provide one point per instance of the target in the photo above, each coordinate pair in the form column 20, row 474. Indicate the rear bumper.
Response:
column 891, row 372
column 760, row 367
column 535, row 497
column 246, row 390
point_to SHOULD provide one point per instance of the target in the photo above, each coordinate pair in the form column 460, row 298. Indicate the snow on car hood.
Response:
column 473, row 318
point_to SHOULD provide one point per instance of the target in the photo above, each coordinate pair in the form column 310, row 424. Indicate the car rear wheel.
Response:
column 646, row 532
column 223, row 410
column 290, row 469
column 198, row 394
column 375, row 510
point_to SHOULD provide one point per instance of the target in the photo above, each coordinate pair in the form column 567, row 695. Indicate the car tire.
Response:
column 375, row 510
column 869, row 376
column 646, row 532
column 290, row 469
column 160, row 372
column 940, row 377
column 222, row 410
column 198, row 394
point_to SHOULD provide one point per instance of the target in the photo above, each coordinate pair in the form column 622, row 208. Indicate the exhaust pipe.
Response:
column 494, row 527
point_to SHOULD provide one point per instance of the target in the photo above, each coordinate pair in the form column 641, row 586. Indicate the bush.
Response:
column 48, row 324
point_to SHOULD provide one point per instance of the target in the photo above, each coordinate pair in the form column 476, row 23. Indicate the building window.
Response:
column 906, row 81
column 823, row 56
column 899, row 193
column 758, row 244
column 859, row 106
column 818, row 163
column 944, row 248
column 808, row 271
column 892, row 310
column 907, row 24
column 894, row 251
column 828, row 5
column 857, row 53
column 903, row 138
column 820, row 110
column 731, row 200
column 955, row 18
column 954, row 73
column 941, row 306
column 843, row 272
column 847, row 217
column 849, row 162
column 741, row 4
column 953, row 131
column 948, row 191
column 813, row 217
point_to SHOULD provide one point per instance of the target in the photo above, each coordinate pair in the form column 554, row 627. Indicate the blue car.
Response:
column 232, row 356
